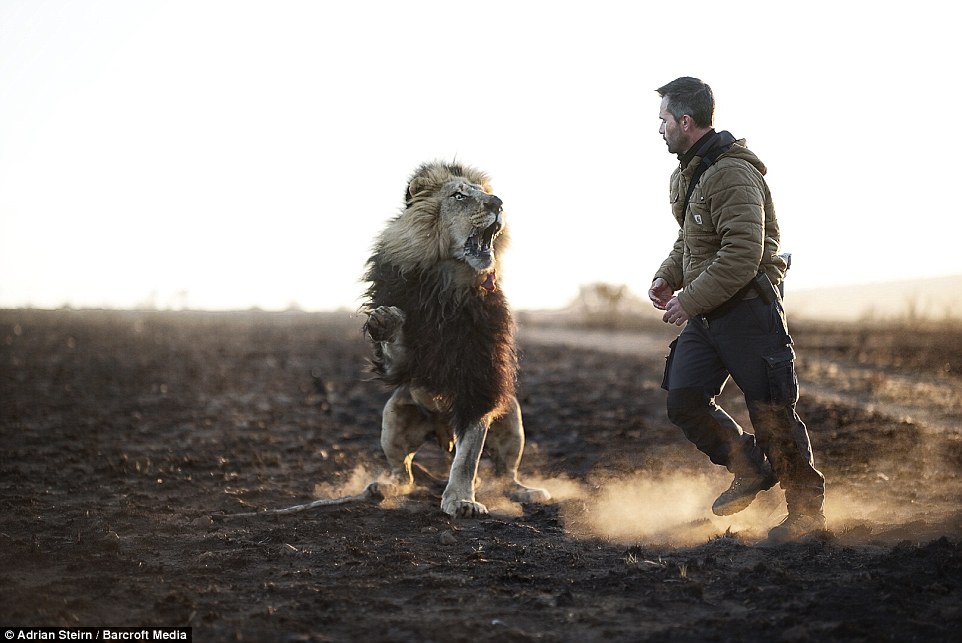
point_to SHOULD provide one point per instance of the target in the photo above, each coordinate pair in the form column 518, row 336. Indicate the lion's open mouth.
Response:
column 479, row 243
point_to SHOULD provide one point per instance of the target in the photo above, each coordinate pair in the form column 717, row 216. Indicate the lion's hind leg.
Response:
column 404, row 428
column 505, row 445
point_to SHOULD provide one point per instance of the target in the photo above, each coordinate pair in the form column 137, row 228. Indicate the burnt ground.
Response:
column 124, row 432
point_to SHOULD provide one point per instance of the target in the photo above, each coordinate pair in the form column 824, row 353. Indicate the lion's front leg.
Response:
column 384, row 323
column 458, row 497
column 505, row 445
column 385, row 326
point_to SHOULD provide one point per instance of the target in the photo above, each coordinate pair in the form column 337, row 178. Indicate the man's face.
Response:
column 671, row 130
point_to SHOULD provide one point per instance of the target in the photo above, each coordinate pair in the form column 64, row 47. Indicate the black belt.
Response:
column 759, row 286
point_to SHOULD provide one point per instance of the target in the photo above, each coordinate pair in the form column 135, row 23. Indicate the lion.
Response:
column 443, row 337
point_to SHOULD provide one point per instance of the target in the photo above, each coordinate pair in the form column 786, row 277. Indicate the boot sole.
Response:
column 741, row 503
column 734, row 506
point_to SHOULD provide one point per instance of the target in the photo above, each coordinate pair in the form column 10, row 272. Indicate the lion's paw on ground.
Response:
column 463, row 508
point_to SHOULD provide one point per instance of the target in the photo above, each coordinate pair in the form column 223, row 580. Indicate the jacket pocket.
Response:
column 699, row 214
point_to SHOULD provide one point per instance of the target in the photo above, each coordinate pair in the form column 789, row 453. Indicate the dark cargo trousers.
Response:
column 751, row 344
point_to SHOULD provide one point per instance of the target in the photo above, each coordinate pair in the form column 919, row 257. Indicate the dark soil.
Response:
column 124, row 432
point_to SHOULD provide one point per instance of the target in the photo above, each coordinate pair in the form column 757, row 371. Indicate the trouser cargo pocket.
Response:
column 668, row 358
column 782, row 380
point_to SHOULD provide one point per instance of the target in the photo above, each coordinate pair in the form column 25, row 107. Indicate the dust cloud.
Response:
column 354, row 483
column 669, row 509
column 674, row 509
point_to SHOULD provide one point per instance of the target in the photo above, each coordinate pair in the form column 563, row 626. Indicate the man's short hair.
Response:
column 687, row 95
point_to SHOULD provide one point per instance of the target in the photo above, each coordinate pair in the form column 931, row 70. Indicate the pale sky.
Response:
column 225, row 155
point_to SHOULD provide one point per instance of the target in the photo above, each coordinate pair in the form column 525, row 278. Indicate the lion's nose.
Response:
column 493, row 204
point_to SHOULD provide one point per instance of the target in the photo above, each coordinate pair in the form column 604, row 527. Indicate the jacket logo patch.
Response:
column 698, row 219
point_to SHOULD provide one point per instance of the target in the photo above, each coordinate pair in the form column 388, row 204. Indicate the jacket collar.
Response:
column 713, row 144
column 692, row 152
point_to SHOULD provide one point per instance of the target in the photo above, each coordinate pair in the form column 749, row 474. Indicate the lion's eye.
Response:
column 458, row 196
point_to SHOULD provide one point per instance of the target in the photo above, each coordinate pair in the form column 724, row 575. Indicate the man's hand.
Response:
column 675, row 313
column 660, row 293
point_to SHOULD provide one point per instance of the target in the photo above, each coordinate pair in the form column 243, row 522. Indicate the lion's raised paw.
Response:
column 384, row 323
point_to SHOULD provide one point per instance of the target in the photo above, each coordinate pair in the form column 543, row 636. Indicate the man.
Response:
column 722, row 278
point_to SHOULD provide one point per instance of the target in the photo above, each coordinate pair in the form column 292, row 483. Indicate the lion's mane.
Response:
column 459, row 337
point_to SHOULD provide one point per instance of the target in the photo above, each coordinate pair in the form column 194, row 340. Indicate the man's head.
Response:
column 687, row 112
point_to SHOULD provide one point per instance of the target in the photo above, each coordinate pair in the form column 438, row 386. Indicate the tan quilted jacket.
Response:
column 729, row 233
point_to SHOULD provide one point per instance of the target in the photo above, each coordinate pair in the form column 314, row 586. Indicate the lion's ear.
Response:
column 415, row 187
